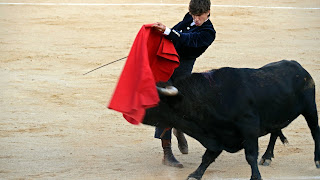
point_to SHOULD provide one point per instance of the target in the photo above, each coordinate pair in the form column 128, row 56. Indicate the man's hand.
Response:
column 159, row 26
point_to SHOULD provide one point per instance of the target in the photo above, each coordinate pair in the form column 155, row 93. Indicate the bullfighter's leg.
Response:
column 182, row 141
column 168, row 157
column 268, row 155
column 207, row 159
column 311, row 117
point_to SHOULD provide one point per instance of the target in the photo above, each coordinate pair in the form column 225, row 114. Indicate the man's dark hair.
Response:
column 198, row 7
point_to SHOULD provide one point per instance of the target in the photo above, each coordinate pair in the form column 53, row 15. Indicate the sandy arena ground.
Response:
column 54, row 123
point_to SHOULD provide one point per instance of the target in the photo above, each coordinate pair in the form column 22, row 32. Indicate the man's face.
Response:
column 200, row 18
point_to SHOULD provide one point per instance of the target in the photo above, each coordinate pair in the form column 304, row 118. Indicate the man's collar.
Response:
column 193, row 23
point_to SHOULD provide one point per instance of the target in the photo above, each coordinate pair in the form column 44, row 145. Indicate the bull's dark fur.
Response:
column 229, row 108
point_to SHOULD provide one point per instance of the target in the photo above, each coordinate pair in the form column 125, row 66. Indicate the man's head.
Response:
column 199, row 10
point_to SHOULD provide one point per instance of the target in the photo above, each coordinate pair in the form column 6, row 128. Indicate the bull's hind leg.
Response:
column 207, row 159
column 311, row 117
column 268, row 155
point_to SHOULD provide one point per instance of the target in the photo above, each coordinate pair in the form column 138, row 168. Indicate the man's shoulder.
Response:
column 187, row 17
column 208, row 25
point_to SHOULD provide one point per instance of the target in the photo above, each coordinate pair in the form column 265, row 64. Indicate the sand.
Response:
column 54, row 123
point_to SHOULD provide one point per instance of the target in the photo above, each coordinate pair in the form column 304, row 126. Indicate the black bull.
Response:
column 230, row 108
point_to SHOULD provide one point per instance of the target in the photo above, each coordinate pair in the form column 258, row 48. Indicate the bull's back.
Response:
column 216, row 100
column 276, row 80
column 279, row 91
column 275, row 92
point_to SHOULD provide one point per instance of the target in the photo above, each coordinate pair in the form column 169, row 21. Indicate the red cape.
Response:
column 152, row 58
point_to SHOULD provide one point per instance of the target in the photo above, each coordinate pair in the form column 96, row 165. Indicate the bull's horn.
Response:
column 168, row 91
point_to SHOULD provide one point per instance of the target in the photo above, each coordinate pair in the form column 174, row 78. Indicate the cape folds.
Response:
column 152, row 58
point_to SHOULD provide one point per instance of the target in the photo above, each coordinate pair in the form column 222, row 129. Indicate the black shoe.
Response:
column 169, row 159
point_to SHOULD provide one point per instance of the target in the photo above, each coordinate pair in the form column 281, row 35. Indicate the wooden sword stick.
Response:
column 104, row 65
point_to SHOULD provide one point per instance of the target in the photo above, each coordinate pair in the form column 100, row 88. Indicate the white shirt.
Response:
column 168, row 30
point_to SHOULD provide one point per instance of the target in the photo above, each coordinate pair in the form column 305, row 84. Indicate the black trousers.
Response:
column 184, row 69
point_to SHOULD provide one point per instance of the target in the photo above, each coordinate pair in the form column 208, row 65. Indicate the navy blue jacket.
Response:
column 191, row 41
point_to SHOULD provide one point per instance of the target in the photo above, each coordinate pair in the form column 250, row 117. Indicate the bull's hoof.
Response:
column 265, row 162
column 194, row 176
column 318, row 164
column 256, row 178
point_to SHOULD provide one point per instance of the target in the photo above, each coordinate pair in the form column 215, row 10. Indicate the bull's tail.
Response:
column 283, row 139
column 311, row 115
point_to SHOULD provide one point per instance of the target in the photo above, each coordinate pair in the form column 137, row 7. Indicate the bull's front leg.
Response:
column 249, row 128
column 207, row 159
column 251, row 152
